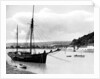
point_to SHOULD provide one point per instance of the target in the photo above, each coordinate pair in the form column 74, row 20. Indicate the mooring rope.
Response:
column 59, row 58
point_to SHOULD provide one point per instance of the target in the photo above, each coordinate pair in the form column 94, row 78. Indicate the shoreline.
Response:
column 11, row 70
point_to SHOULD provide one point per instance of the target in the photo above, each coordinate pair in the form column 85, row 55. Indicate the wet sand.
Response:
column 11, row 70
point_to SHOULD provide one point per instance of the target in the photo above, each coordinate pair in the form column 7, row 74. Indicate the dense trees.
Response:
column 84, row 40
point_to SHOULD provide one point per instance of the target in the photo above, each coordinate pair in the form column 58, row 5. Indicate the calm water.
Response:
column 58, row 63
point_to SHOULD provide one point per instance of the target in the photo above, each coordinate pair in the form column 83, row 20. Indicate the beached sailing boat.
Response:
column 31, row 56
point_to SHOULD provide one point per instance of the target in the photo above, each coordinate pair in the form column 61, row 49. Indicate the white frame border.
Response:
column 3, row 40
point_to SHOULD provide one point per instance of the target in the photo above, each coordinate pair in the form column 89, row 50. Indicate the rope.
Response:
column 59, row 58
column 42, row 36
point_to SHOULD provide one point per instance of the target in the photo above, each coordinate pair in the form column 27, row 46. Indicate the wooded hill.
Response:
column 84, row 40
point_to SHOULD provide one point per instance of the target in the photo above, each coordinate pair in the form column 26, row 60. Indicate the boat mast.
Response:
column 17, row 38
column 31, row 28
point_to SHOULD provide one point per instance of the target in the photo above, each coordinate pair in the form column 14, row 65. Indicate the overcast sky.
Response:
column 52, row 22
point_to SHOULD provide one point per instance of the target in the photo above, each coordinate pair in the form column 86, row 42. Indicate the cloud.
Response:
column 54, row 26
column 22, row 18
column 90, row 19
column 22, row 33
column 13, row 33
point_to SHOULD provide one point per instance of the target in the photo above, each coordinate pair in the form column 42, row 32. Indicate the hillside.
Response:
column 50, row 44
column 84, row 40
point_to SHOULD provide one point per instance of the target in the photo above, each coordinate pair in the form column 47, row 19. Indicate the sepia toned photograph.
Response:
column 49, row 39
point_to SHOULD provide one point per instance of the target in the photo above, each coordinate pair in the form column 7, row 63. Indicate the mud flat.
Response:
column 11, row 70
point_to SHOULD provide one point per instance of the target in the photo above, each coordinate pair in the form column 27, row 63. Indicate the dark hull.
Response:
column 79, row 55
column 27, row 57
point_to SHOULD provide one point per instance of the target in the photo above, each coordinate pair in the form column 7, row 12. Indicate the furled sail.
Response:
column 32, row 34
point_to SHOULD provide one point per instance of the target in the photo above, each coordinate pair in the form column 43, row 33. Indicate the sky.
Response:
column 51, row 22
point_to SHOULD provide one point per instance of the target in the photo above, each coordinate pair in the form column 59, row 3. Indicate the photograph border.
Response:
column 3, row 40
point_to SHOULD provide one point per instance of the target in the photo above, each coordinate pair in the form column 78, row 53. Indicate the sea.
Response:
column 61, row 62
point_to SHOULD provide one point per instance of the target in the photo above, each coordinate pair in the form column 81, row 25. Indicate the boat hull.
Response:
column 27, row 57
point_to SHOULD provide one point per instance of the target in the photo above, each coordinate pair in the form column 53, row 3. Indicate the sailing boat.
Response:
column 29, row 56
column 78, row 55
